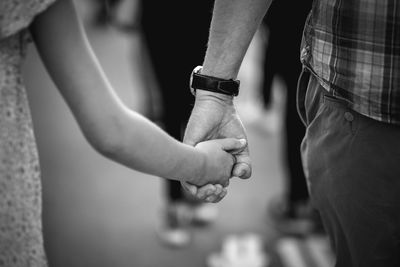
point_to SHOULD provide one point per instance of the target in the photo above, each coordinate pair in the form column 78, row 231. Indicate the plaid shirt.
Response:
column 353, row 47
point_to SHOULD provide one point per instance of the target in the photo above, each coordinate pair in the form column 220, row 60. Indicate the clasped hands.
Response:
column 214, row 116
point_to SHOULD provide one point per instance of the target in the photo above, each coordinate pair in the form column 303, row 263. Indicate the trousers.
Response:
column 352, row 168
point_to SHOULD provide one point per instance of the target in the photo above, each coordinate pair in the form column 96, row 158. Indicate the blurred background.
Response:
column 98, row 213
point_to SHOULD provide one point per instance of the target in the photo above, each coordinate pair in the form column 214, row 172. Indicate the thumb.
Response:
column 192, row 189
column 229, row 144
column 189, row 141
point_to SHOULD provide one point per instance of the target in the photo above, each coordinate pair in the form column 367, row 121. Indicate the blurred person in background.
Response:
column 180, row 211
column 348, row 97
column 175, row 37
column 105, row 11
column 292, row 213
column 112, row 129
column 120, row 14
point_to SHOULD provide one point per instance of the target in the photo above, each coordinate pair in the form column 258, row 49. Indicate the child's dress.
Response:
column 21, row 241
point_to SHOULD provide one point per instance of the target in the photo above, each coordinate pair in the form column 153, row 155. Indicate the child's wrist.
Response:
column 199, row 165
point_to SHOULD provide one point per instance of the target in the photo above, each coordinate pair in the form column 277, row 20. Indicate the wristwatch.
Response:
column 212, row 84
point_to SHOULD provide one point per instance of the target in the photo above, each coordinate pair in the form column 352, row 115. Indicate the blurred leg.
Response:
column 269, row 72
column 174, row 52
column 293, row 214
column 294, row 133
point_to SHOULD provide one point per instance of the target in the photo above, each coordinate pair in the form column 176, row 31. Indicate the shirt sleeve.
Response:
column 16, row 15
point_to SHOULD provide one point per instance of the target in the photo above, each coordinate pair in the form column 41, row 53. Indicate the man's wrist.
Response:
column 214, row 84
column 207, row 95
column 227, row 74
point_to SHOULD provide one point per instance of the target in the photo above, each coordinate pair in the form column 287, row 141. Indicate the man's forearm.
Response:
column 233, row 26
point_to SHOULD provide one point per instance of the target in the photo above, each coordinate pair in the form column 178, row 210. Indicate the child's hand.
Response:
column 219, row 160
column 207, row 193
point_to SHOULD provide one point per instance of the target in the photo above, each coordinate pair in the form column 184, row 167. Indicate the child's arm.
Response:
column 112, row 129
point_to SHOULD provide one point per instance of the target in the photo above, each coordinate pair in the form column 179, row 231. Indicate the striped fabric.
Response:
column 353, row 47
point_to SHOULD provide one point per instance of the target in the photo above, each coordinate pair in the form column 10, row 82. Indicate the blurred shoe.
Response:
column 240, row 251
column 204, row 214
column 174, row 231
column 294, row 218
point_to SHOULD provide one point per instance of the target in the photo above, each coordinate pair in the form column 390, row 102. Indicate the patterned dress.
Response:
column 21, row 241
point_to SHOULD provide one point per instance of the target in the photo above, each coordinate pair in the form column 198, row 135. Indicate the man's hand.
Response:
column 213, row 117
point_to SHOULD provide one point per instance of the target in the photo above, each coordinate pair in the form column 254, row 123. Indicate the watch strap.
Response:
column 214, row 84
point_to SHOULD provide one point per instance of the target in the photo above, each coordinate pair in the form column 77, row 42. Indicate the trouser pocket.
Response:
column 302, row 85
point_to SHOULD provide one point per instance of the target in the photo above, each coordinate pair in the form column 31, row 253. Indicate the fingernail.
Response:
column 242, row 141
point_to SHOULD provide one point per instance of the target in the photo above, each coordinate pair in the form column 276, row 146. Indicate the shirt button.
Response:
column 348, row 116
